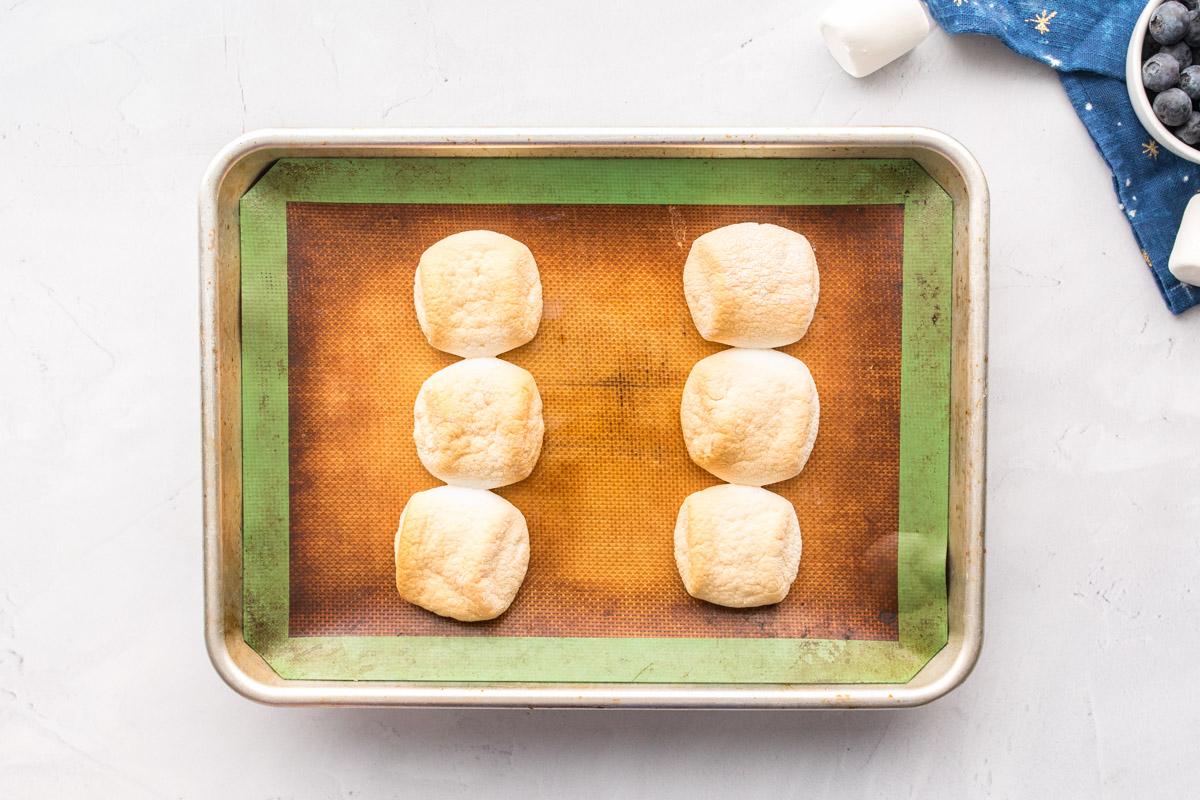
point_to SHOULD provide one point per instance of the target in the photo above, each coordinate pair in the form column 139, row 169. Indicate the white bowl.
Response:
column 1137, row 92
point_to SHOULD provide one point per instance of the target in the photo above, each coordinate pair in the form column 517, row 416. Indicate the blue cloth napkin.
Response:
column 1086, row 41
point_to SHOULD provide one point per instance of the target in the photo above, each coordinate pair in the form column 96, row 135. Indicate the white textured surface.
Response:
column 109, row 113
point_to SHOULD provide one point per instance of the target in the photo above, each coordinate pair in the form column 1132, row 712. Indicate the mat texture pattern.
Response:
column 611, row 357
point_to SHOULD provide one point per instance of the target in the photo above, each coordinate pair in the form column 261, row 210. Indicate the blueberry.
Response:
column 1189, row 81
column 1169, row 22
column 1160, row 72
column 1192, row 37
column 1181, row 53
column 1173, row 107
column 1189, row 132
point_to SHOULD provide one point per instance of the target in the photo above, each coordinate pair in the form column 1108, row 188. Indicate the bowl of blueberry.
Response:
column 1163, row 73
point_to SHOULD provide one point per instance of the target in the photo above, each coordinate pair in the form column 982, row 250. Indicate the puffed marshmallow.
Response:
column 478, row 423
column 865, row 35
column 461, row 553
column 751, row 285
column 737, row 546
column 478, row 293
column 750, row 416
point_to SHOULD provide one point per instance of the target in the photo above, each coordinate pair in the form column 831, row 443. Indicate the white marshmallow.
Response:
column 751, row 285
column 478, row 293
column 750, row 416
column 865, row 35
column 478, row 423
column 461, row 553
column 1185, row 257
column 737, row 546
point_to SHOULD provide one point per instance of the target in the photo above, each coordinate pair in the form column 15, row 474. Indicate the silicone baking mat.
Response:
column 329, row 248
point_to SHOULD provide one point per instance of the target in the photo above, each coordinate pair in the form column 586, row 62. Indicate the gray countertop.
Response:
column 108, row 116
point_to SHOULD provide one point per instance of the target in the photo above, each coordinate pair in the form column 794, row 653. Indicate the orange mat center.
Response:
column 612, row 354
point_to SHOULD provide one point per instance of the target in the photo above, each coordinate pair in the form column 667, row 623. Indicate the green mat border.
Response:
column 924, row 423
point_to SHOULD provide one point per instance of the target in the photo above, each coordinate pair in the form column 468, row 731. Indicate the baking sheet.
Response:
column 610, row 359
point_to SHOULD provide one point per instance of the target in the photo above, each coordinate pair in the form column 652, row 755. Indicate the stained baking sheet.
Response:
column 329, row 247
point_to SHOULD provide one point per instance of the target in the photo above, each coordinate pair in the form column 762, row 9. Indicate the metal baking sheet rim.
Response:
column 240, row 163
